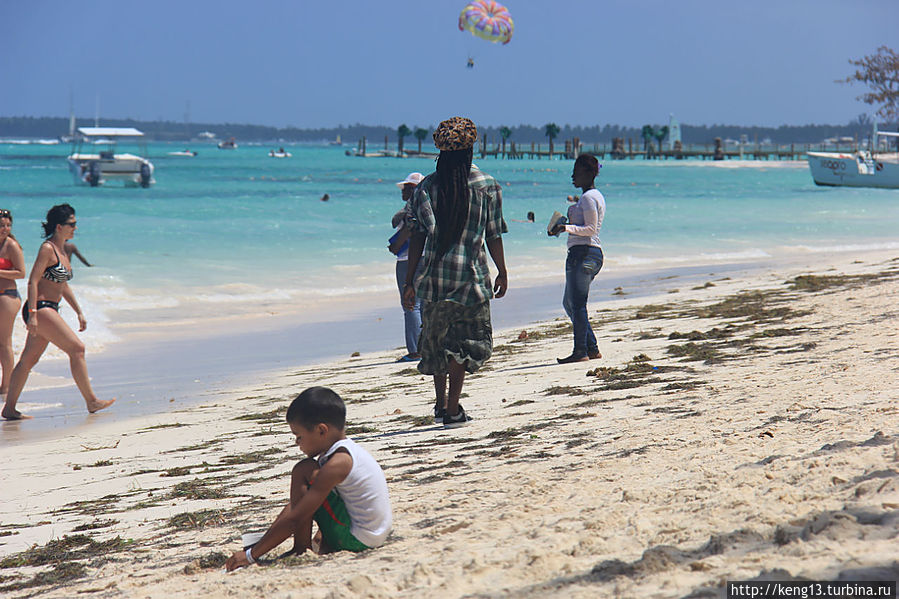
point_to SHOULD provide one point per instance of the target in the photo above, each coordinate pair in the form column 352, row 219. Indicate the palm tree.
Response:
column 506, row 133
column 647, row 134
column 420, row 135
column 551, row 130
column 660, row 134
column 401, row 132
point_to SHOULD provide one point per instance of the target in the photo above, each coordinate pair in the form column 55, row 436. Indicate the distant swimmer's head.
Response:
column 325, row 198
column 457, row 133
column 530, row 217
column 60, row 215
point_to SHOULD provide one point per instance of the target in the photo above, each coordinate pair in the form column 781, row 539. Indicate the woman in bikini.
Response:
column 12, row 267
column 47, row 284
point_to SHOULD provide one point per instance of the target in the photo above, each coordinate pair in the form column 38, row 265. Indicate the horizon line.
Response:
column 393, row 127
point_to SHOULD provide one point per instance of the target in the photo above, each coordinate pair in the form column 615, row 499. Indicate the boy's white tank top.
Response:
column 364, row 492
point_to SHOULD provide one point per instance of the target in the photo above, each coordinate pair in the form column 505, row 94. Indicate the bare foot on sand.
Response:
column 100, row 404
column 15, row 415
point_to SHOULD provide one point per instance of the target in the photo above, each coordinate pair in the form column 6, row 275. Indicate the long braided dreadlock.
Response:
column 452, row 197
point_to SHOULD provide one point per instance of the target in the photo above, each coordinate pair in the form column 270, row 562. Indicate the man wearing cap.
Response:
column 453, row 213
column 399, row 245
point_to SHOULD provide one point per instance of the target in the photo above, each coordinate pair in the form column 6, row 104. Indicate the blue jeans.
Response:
column 581, row 266
column 413, row 316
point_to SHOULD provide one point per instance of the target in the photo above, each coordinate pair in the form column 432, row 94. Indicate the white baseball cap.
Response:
column 414, row 178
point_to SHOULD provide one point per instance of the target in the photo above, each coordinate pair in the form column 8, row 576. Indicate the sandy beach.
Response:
column 736, row 428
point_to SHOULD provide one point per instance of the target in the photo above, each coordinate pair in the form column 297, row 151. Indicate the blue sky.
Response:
column 322, row 64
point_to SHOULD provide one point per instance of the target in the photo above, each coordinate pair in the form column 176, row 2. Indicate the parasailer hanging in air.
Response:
column 487, row 20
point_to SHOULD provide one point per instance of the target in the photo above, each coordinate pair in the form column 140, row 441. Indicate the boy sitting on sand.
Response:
column 339, row 485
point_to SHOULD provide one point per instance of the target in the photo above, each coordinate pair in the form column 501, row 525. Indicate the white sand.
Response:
column 782, row 455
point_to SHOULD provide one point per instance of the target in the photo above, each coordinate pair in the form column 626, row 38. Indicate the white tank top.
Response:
column 364, row 493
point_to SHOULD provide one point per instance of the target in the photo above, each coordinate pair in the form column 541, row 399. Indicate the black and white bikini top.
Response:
column 58, row 273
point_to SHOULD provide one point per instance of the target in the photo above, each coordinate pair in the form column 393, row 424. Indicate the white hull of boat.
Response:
column 128, row 169
column 280, row 154
column 853, row 170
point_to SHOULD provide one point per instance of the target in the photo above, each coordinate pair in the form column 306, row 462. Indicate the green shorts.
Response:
column 334, row 523
column 453, row 331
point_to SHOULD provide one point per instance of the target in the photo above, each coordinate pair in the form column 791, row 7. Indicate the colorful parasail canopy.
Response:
column 487, row 20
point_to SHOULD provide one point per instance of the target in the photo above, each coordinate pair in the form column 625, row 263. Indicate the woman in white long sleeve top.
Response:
column 584, row 256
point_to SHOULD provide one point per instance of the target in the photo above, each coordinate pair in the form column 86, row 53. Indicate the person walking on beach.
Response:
column 12, row 267
column 453, row 213
column 47, row 284
column 584, row 256
column 339, row 485
column 399, row 245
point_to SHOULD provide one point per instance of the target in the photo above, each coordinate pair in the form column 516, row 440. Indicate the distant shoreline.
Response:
column 153, row 370
column 47, row 127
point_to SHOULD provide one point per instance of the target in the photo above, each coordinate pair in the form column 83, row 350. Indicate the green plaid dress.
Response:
column 456, row 288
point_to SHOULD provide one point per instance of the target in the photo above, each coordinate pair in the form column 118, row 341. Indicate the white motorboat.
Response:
column 104, row 166
column 859, row 169
column 279, row 153
column 228, row 144
column 187, row 153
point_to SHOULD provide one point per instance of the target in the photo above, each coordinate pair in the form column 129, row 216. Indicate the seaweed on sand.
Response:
column 815, row 283
column 251, row 457
column 751, row 306
column 520, row 402
column 196, row 489
column 210, row 561
column 198, row 447
column 95, row 525
column 414, row 420
column 713, row 333
column 271, row 417
column 61, row 573
column 563, row 390
column 695, row 351
column 200, row 519
column 68, row 548
column 161, row 426
column 359, row 429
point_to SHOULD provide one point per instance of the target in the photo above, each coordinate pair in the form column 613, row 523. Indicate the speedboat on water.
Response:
column 104, row 166
column 859, row 169
column 188, row 153
column 229, row 144
column 279, row 153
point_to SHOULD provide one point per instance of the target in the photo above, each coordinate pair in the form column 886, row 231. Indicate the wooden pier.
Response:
column 570, row 149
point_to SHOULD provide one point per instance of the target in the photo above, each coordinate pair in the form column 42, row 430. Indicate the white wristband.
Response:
column 250, row 556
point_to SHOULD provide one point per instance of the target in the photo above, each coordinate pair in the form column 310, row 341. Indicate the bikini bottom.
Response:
column 40, row 304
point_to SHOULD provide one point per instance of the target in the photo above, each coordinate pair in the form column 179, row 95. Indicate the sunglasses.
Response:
column 71, row 224
column 5, row 214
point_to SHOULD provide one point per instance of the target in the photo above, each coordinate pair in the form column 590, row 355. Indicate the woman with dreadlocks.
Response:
column 453, row 213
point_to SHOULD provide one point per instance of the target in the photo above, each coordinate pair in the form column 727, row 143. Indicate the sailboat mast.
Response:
column 71, row 113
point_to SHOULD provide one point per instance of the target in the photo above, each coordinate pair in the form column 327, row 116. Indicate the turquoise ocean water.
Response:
column 239, row 221
column 230, row 232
